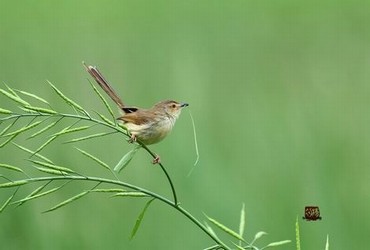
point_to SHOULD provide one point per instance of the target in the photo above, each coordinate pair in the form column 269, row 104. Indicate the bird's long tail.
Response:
column 99, row 78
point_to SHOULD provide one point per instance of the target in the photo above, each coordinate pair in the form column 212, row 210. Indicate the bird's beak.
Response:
column 184, row 105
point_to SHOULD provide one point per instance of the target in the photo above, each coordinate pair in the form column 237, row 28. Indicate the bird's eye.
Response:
column 173, row 106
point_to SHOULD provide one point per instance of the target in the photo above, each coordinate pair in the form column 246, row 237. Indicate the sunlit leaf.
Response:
column 327, row 242
column 13, row 184
column 14, row 98
column 278, row 243
column 66, row 202
column 40, row 110
column 126, row 159
column 5, row 111
column 2, row 165
column 225, row 229
column 33, row 96
column 140, row 219
column 130, row 194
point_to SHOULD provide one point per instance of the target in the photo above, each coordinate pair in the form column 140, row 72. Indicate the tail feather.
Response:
column 95, row 73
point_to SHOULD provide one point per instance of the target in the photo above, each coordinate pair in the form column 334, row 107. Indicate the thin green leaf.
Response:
column 327, row 242
column 242, row 222
column 44, row 129
column 6, row 128
column 210, row 230
column 126, row 159
column 6, row 203
column 238, row 246
column 52, row 166
column 215, row 247
column 105, row 119
column 33, row 96
column 2, row 165
column 66, row 99
column 5, row 111
column 108, row 190
column 70, row 130
column 100, row 162
column 8, row 140
column 89, row 137
column 103, row 100
column 278, row 243
column 62, row 204
column 13, row 184
column 130, row 194
column 225, row 229
column 140, row 219
column 17, row 132
column 297, row 238
column 45, row 144
column 28, row 198
column 258, row 235
column 40, row 110
column 33, row 153
column 34, row 192
column 11, row 90
column 14, row 98
column 51, row 171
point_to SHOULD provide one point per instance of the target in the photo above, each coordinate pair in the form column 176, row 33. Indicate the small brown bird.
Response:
column 149, row 126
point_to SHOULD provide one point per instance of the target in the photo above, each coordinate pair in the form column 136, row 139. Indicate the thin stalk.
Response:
column 128, row 185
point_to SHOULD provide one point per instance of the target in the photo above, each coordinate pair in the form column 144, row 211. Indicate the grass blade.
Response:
column 51, row 171
column 258, row 235
column 40, row 110
column 126, row 159
column 33, row 96
column 70, row 130
column 5, row 111
column 15, row 98
column 100, row 162
column 327, row 243
column 90, row 137
column 105, row 119
column 297, row 238
column 66, row 202
column 225, row 229
column 52, row 166
column 13, row 184
column 130, row 194
column 33, row 153
column 28, row 198
column 44, row 145
column 44, row 129
column 242, row 223
column 103, row 100
column 67, row 100
column 17, row 132
column 2, row 165
column 278, row 243
column 140, row 219
column 7, row 141
column 34, row 192
column 6, row 203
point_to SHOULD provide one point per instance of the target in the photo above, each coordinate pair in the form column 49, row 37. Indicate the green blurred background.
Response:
column 279, row 91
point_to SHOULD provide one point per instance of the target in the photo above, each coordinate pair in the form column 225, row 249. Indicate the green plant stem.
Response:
column 90, row 119
column 128, row 185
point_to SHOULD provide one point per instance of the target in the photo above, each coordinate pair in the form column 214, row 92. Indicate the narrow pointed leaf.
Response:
column 14, row 98
column 108, row 190
column 40, row 110
column 140, row 219
column 238, row 246
column 100, row 162
column 278, row 243
column 8, row 140
column 215, row 247
column 225, row 229
column 45, row 144
column 66, row 99
column 242, row 221
column 6, row 129
column 13, row 184
column 17, row 132
column 6, row 203
column 130, row 194
column 297, row 237
column 51, row 171
column 33, row 96
column 2, row 165
column 52, row 166
column 258, row 235
column 66, row 202
column 44, row 129
column 103, row 100
column 28, row 198
column 5, row 111
column 126, row 159
column 33, row 153
column 34, row 192
column 11, row 90
column 210, row 230
column 70, row 130
column 89, row 137
column 327, row 242
column 105, row 119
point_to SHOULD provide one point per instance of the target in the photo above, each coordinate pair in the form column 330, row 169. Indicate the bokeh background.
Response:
column 279, row 91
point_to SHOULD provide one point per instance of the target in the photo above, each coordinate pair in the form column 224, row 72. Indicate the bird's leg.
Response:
column 132, row 139
column 156, row 160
